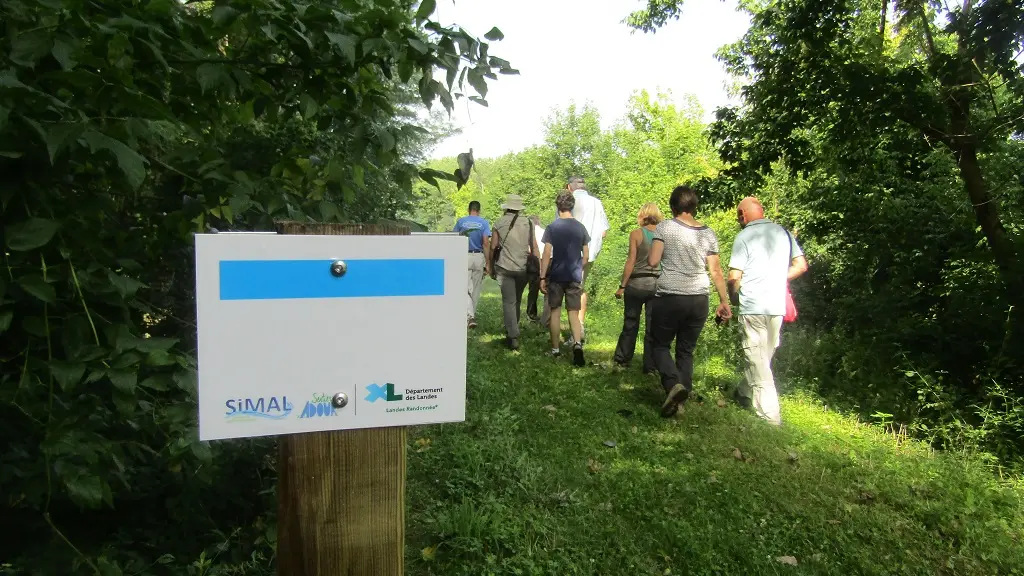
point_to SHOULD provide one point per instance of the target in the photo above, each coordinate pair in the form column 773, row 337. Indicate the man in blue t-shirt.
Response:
column 566, row 248
column 478, row 229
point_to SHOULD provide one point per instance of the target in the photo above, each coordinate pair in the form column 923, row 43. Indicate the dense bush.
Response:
column 125, row 127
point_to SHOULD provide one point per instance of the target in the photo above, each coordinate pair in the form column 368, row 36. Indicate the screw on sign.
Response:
column 277, row 315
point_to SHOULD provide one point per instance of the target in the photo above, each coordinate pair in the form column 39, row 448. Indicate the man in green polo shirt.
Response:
column 765, row 257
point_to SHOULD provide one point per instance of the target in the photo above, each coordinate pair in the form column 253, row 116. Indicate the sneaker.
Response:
column 577, row 355
column 676, row 396
column 555, row 353
column 472, row 322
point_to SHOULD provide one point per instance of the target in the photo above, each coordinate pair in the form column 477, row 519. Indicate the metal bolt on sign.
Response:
column 338, row 268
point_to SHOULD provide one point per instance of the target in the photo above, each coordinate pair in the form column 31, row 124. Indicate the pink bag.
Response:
column 790, row 306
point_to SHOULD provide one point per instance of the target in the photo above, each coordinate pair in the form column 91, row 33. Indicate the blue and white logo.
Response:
column 319, row 407
column 269, row 408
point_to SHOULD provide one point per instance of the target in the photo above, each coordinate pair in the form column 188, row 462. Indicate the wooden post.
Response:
column 341, row 494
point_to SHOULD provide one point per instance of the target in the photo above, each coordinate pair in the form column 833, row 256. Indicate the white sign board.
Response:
column 280, row 334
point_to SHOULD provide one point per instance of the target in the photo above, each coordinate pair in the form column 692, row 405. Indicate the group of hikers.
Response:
column 671, row 265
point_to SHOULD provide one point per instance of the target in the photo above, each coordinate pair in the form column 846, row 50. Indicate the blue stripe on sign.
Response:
column 280, row 279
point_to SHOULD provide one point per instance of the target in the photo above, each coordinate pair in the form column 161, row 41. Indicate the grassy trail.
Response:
column 530, row 483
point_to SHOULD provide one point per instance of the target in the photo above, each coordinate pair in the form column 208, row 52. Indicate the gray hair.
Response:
column 576, row 182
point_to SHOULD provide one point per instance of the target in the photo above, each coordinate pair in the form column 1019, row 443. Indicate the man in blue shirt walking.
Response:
column 478, row 229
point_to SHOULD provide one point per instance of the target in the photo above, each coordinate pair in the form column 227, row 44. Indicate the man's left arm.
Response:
column 602, row 220
column 798, row 264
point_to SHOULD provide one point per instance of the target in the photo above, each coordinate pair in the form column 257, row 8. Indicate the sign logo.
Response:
column 385, row 392
column 319, row 407
column 270, row 408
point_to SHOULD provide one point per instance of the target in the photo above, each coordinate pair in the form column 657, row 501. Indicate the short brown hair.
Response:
column 683, row 199
column 650, row 214
column 565, row 201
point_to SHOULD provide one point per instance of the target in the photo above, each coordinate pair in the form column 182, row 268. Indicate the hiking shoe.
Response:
column 555, row 353
column 513, row 343
column 742, row 400
column 472, row 323
column 577, row 355
column 676, row 396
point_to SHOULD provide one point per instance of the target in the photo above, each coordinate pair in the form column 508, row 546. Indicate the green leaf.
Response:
column 6, row 317
column 245, row 112
column 405, row 69
column 308, row 105
column 209, row 76
column 358, row 174
column 202, row 451
column 36, row 286
column 445, row 96
column 126, row 287
column 160, row 382
column 329, row 211
column 426, row 8
column 419, row 45
column 387, row 141
column 479, row 100
column 29, row 47
column 494, row 34
column 10, row 154
column 30, row 234
column 6, row 112
column 67, row 374
column 63, row 52
column 186, row 381
column 465, row 161
column 476, row 80
column 59, row 135
column 453, row 73
column 35, row 326
column 345, row 44
column 123, row 380
column 129, row 161
column 426, row 91
column 85, row 490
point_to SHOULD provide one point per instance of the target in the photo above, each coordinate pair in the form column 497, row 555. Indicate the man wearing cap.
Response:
column 478, row 229
column 513, row 241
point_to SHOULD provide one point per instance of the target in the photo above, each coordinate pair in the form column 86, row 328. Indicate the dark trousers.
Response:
column 531, row 296
column 681, row 318
column 635, row 301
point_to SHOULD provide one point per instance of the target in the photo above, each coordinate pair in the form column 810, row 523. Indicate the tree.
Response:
column 834, row 66
column 124, row 129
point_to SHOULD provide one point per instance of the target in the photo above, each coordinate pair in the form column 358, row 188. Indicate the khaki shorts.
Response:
column 572, row 291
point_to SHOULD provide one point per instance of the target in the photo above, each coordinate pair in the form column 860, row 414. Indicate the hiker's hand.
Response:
column 543, row 286
column 724, row 311
column 619, row 293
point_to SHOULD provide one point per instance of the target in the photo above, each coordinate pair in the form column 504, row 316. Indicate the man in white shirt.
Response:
column 590, row 212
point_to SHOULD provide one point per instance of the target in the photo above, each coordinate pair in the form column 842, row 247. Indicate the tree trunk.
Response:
column 986, row 214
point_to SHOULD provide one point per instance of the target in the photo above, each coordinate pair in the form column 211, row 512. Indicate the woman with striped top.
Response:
column 688, row 252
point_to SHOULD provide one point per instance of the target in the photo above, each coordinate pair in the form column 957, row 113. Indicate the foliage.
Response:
column 124, row 129
column 884, row 135
column 527, row 486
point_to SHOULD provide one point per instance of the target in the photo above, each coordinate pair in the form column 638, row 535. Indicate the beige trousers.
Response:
column 476, row 279
column 760, row 339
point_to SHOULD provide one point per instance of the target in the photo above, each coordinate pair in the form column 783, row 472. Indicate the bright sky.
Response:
column 579, row 50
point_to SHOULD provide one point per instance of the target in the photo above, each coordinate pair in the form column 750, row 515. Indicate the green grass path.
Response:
column 527, row 485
